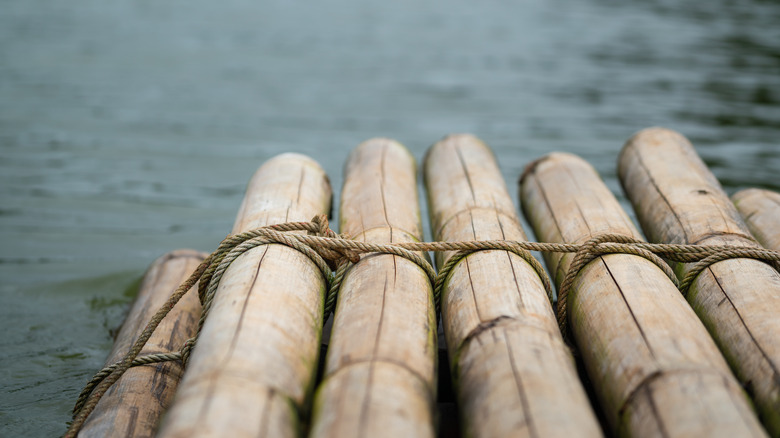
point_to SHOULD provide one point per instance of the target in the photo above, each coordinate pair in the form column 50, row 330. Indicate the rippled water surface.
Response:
column 130, row 128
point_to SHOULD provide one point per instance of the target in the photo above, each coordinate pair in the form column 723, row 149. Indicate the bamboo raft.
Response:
column 633, row 356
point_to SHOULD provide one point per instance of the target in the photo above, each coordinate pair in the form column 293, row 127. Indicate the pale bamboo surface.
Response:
column 678, row 200
column 654, row 367
column 515, row 377
column 134, row 405
column 252, row 370
column 760, row 209
column 380, row 378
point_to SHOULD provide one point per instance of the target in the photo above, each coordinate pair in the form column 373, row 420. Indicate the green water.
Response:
column 130, row 128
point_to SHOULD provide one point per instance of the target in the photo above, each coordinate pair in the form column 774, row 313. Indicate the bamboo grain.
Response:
column 654, row 367
column 760, row 209
column 134, row 405
column 251, row 373
column 678, row 200
column 380, row 378
column 514, row 375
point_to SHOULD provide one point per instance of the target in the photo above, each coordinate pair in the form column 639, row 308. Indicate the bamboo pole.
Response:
column 513, row 372
column 760, row 210
column 678, row 200
column 380, row 377
column 134, row 405
column 252, row 370
column 654, row 367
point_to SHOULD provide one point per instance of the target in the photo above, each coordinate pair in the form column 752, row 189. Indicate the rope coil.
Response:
column 335, row 254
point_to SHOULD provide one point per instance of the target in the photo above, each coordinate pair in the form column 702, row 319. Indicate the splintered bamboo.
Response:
column 654, row 367
column 380, row 378
column 761, row 211
column 133, row 406
column 252, row 370
column 678, row 200
column 513, row 372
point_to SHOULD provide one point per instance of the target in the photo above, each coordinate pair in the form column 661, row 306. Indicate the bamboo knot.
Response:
column 334, row 254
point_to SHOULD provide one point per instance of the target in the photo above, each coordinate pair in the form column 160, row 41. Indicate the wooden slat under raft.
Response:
column 513, row 373
column 761, row 211
column 654, row 367
column 136, row 402
column 678, row 200
column 251, row 373
column 380, row 377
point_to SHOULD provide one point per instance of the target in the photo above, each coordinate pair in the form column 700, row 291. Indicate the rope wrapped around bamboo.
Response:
column 134, row 405
column 513, row 373
column 678, row 200
column 324, row 248
column 654, row 367
column 380, row 371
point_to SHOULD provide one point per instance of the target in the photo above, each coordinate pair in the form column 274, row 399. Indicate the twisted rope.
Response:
column 329, row 251
column 591, row 250
column 514, row 247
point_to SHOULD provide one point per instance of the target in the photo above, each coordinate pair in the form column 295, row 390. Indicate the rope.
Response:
column 591, row 250
column 329, row 251
column 513, row 247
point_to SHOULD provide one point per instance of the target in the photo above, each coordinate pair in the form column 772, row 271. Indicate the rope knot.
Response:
column 323, row 226
column 335, row 257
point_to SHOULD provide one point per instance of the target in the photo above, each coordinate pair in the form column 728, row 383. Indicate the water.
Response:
column 130, row 128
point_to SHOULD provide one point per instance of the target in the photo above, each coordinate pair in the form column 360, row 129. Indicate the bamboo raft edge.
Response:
column 480, row 355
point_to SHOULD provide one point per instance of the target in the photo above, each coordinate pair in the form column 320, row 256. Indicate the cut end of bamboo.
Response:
column 268, row 199
column 760, row 210
column 372, row 144
column 654, row 136
column 455, row 137
column 531, row 167
column 467, row 159
column 749, row 193
column 179, row 253
column 295, row 159
column 656, row 132
column 665, row 165
column 598, row 213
